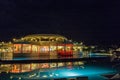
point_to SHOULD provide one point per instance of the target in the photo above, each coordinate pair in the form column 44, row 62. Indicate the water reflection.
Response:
column 52, row 70
column 56, row 70
column 21, row 68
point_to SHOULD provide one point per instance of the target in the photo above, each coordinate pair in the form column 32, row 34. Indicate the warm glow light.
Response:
column 14, row 39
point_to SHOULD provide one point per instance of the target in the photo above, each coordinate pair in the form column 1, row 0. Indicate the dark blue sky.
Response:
column 92, row 21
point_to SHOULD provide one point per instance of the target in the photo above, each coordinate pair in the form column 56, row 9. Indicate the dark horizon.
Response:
column 93, row 22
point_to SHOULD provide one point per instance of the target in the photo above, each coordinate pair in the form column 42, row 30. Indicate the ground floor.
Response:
column 62, row 49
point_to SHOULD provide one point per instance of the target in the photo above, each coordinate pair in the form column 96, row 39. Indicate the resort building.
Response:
column 39, row 45
column 42, row 45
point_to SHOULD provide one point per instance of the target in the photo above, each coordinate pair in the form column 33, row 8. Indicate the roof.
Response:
column 43, row 37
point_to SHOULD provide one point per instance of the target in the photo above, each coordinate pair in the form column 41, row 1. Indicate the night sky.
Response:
column 91, row 21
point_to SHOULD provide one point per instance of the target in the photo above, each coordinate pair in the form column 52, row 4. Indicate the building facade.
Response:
column 39, row 45
column 42, row 45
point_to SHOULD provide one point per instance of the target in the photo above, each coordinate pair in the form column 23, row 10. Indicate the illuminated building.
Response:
column 42, row 45
column 6, row 51
column 36, row 45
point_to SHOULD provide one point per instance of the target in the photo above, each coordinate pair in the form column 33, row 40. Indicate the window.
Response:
column 34, row 48
column 26, row 48
column 17, row 48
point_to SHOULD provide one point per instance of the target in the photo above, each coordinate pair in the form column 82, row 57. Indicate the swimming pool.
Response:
column 93, row 71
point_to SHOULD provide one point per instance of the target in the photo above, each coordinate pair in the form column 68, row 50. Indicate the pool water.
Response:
column 93, row 71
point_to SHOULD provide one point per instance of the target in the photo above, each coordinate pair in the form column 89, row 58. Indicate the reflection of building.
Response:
column 21, row 68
